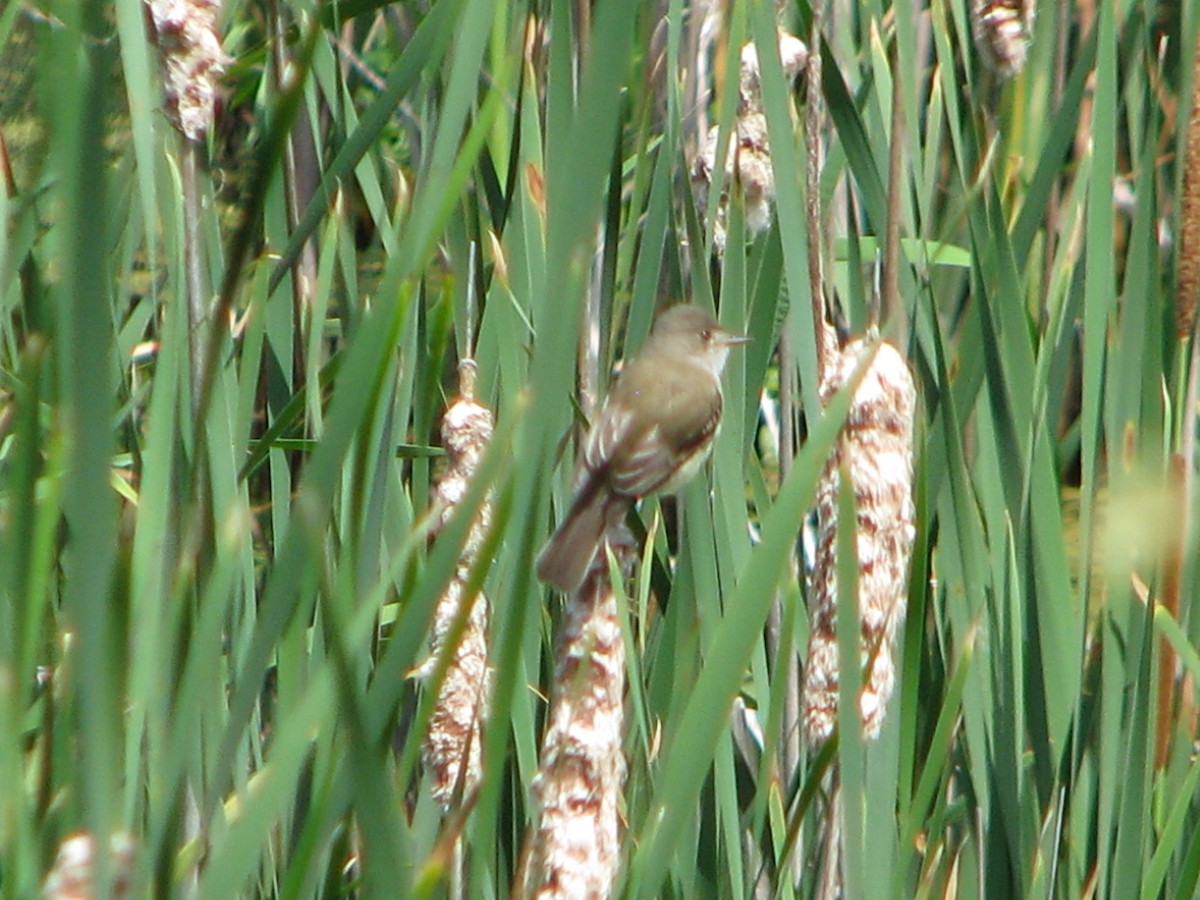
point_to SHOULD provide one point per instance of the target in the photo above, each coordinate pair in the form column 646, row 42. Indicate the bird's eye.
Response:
column 706, row 335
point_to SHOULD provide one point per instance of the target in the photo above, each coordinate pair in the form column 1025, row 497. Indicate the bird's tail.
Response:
column 565, row 559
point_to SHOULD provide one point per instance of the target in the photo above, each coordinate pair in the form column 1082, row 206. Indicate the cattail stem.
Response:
column 189, row 49
column 301, row 176
column 1169, row 597
column 891, row 309
column 830, row 885
column 199, row 305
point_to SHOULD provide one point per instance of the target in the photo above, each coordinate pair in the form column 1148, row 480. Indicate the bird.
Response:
column 653, row 435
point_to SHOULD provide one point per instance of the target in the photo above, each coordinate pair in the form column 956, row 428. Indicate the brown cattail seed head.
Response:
column 747, row 160
column 876, row 447
column 1187, row 284
column 73, row 875
column 452, row 749
column 574, row 847
column 1003, row 29
column 190, row 50
column 793, row 54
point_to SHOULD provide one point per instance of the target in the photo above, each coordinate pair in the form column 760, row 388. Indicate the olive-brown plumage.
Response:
column 653, row 434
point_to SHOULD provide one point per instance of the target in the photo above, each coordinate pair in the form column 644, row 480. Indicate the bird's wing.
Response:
column 637, row 455
column 651, row 458
column 604, row 440
column 643, row 465
column 625, row 454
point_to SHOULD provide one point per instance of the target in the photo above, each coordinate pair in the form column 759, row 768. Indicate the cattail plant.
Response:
column 189, row 49
column 73, row 876
column 1187, row 277
column 1002, row 30
column 875, row 450
column 453, row 744
column 748, row 154
column 1182, row 466
column 192, row 62
column 573, row 849
column 875, row 447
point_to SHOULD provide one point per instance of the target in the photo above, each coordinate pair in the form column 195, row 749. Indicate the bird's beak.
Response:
column 729, row 339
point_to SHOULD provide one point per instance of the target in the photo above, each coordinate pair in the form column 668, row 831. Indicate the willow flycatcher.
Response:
column 653, row 434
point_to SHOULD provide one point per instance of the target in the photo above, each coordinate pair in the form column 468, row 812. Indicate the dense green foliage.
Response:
column 207, row 618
